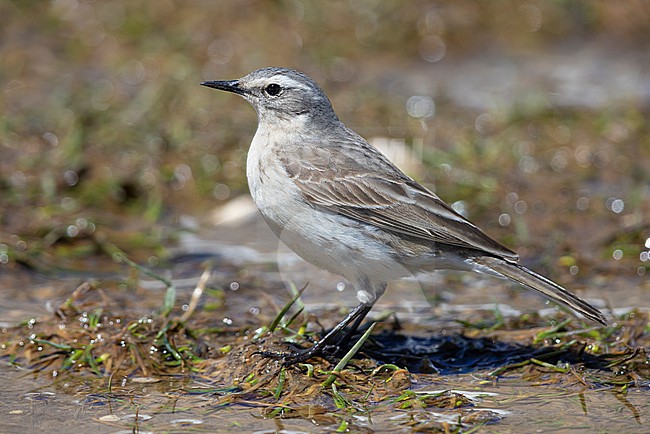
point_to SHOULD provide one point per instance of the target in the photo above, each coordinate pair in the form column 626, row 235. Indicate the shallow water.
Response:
column 512, row 405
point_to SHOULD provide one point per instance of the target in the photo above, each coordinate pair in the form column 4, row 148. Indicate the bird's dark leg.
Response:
column 357, row 315
column 344, row 340
column 373, row 290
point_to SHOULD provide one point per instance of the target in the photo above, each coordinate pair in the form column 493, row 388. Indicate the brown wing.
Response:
column 355, row 180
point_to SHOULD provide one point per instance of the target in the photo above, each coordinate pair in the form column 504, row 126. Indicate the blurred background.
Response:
column 530, row 117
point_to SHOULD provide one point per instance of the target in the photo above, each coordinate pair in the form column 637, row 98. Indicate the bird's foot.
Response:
column 302, row 355
column 331, row 345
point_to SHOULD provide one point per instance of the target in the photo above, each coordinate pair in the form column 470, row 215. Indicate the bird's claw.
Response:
column 302, row 355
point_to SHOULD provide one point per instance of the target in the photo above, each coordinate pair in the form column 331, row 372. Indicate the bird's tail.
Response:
column 534, row 281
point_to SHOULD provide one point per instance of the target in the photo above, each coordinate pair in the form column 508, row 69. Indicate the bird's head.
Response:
column 280, row 95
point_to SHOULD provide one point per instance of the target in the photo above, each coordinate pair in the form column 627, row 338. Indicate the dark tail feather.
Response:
column 550, row 289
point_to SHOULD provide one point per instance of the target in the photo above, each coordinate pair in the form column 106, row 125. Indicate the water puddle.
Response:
column 510, row 404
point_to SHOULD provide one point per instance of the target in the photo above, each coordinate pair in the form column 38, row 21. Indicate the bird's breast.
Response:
column 273, row 191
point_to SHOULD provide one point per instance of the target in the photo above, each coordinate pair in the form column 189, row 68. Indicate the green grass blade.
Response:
column 285, row 309
column 344, row 361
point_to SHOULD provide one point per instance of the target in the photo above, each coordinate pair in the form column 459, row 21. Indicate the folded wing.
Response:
column 357, row 181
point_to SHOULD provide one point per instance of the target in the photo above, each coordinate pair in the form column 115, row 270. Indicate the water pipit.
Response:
column 340, row 204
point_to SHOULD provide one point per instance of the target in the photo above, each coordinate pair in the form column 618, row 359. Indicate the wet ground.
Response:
column 122, row 179
column 474, row 355
column 511, row 405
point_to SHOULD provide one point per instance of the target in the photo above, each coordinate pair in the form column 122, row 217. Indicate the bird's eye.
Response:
column 273, row 89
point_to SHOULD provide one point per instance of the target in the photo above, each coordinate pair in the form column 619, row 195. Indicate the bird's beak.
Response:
column 228, row 86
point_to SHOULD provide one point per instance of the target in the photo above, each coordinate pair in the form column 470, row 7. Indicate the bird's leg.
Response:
column 344, row 340
column 357, row 315
column 372, row 290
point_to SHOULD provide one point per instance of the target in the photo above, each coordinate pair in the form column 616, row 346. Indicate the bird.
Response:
column 340, row 204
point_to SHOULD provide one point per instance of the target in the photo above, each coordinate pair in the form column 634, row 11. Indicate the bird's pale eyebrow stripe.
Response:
column 283, row 81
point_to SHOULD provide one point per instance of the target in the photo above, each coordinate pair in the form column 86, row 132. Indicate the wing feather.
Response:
column 353, row 179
